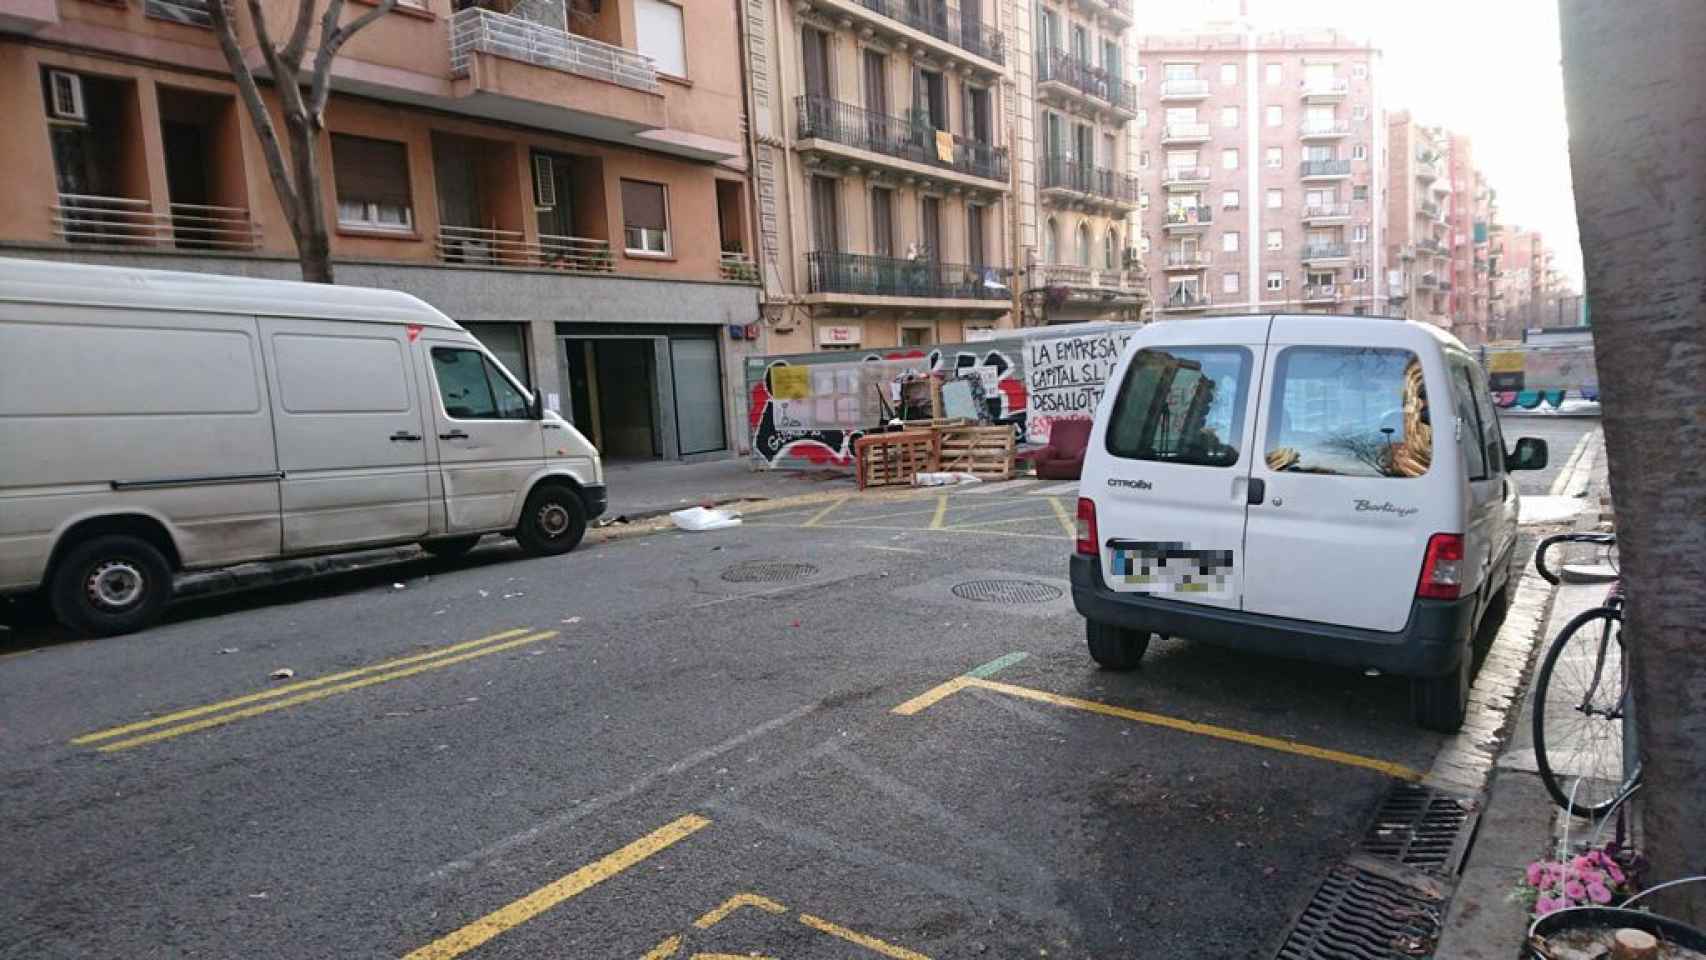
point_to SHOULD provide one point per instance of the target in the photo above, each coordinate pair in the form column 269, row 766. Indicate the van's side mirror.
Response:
column 536, row 409
column 1530, row 454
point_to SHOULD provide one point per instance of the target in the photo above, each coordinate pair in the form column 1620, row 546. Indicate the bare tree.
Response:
column 302, row 98
column 1633, row 76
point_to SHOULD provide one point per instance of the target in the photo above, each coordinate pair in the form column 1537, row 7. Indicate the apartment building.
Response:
column 1418, row 214
column 1076, row 185
column 1262, row 158
column 883, row 170
column 566, row 179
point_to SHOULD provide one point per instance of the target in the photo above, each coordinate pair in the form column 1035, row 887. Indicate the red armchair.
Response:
column 1063, row 458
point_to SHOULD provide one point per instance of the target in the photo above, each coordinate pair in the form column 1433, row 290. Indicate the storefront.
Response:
column 644, row 392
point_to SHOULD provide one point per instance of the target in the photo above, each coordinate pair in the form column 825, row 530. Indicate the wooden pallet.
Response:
column 983, row 452
column 893, row 459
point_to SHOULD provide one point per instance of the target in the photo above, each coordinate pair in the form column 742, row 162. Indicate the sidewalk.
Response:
column 640, row 490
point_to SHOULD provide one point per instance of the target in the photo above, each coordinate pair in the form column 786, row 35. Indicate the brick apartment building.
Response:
column 567, row 181
column 1262, row 157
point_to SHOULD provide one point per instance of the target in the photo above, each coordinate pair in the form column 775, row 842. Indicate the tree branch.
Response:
column 298, row 44
column 333, row 37
column 250, row 92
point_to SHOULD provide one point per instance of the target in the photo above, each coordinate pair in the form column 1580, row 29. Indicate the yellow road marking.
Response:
column 664, row 950
column 312, row 695
column 974, row 524
column 845, row 521
column 826, row 511
column 941, row 511
column 1069, row 524
column 494, row 923
column 275, row 692
column 734, row 903
column 869, row 943
column 930, row 696
column 730, row 956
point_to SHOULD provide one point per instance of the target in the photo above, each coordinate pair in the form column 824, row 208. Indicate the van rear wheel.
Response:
column 552, row 522
column 1441, row 703
column 110, row 585
column 1115, row 648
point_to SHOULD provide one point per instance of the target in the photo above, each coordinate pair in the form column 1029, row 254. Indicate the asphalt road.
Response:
column 625, row 753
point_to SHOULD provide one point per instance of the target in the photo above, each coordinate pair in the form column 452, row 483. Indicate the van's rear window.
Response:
column 1349, row 412
column 1182, row 405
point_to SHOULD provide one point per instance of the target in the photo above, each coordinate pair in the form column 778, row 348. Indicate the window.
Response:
column 1359, row 192
column 1274, row 157
column 1276, row 116
column 1276, row 239
column 1349, row 412
column 819, row 77
column 826, row 215
column 1359, row 112
column 645, row 217
column 1319, row 279
column 1359, row 274
column 1142, row 73
column 1229, row 116
column 930, row 93
column 1143, row 243
column 1229, row 74
column 472, row 388
column 974, row 235
column 1182, row 405
column 1229, row 199
column 1181, row 160
column 1491, row 433
column 876, row 81
column 882, row 221
column 1470, row 439
column 1110, row 258
column 1179, row 71
column 1081, row 245
column 372, row 179
column 1143, row 160
column 1359, row 71
column 1359, row 233
column 1143, row 200
column 915, row 336
column 1276, row 280
column 1359, row 152
column 1143, row 117
column 658, row 34
column 980, row 115
column 1229, row 242
column 930, row 227
column 1276, row 198
column 1051, row 241
column 1229, row 283
column 1273, row 71
column 1229, row 158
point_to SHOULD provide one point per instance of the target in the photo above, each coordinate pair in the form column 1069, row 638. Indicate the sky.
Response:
column 1486, row 68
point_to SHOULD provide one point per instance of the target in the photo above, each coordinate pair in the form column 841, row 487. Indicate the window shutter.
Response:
column 370, row 171
column 643, row 205
column 544, row 182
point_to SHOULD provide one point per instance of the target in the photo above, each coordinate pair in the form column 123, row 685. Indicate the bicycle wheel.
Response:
column 1579, row 704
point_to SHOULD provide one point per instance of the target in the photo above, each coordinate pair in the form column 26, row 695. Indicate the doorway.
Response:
column 610, row 395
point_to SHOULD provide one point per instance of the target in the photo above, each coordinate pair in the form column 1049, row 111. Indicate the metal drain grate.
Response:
column 1421, row 828
column 767, row 571
column 1362, row 915
column 1007, row 591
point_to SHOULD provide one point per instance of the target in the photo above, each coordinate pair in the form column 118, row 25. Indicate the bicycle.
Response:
column 1584, row 722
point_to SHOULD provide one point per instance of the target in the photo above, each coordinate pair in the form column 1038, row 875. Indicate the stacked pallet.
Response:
column 983, row 452
column 893, row 459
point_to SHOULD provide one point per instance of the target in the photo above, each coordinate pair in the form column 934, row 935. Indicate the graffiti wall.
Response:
column 806, row 410
column 1526, row 377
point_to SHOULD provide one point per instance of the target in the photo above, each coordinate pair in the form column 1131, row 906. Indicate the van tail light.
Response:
column 1087, row 528
column 1442, row 568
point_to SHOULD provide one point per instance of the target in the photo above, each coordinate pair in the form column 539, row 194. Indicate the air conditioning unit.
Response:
column 65, row 95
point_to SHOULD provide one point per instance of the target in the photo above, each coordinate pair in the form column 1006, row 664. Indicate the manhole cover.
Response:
column 1006, row 591
column 767, row 571
column 1421, row 828
column 1360, row 915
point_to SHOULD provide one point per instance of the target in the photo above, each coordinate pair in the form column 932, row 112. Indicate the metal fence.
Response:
column 480, row 246
column 912, row 139
column 88, row 218
column 944, row 23
column 477, row 30
column 1062, row 67
column 1059, row 173
column 830, row 271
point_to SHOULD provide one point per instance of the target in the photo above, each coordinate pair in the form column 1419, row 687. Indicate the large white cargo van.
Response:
column 152, row 422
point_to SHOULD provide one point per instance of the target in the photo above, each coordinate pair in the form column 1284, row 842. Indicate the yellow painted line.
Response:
column 275, row 692
column 976, row 524
column 734, row 903
column 209, row 722
column 1069, row 524
column 930, row 696
column 845, row 521
column 869, row 943
column 664, row 950
column 730, row 956
column 826, row 511
column 1397, row 770
column 941, row 511
column 503, row 919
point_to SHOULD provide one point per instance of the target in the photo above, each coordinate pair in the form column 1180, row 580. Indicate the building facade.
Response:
column 883, row 169
column 568, row 181
column 1444, row 232
column 1264, row 178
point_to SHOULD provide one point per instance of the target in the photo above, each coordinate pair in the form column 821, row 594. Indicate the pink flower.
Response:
column 1546, row 905
column 1614, row 870
column 1598, row 894
column 1580, row 864
column 1574, row 890
column 1536, row 874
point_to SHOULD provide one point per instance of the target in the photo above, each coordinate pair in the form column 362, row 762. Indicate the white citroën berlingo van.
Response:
column 1326, row 488
column 152, row 422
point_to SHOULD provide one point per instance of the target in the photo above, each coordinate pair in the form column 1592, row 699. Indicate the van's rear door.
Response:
column 1346, row 451
column 1171, row 489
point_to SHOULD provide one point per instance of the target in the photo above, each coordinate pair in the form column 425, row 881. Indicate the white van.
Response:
column 1327, row 488
column 152, row 422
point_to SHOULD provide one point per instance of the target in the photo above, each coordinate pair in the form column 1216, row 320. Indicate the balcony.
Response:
column 1431, row 248
column 477, row 30
column 1445, row 286
column 1185, row 178
column 1062, row 76
column 739, row 267
column 126, row 221
column 1429, row 209
column 827, row 125
column 1184, row 299
column 1330, row 90
column 855, row 274
column 1321, row 292
column 481, row 247
column 1325, row 169
column 1324, row 254
column 1117, row 11
column 1175, row 133
column 1323, row 130
column 1324, row 213
column 1059, row 178
column 1181, row 260
column 1188, row 219
column 1181, row 90
column 955, row 33
column 28, row 16
column 1087, row 284
column 1427, row 170
column 1427, row 281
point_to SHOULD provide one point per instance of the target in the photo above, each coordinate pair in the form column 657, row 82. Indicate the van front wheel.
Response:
column 1115, row 648
column 110, row 585
column 552, row 522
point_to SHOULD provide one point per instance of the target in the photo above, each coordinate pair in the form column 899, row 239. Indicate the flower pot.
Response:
column 1611, row 918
